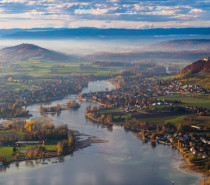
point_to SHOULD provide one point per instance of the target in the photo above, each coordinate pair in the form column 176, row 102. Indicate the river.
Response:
column 124, row 160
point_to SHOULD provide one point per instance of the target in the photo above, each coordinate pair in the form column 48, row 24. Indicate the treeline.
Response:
column 95, row 114
column 72, row 104
column 56, row 133
column 13, row 110
column 38, row 132
column 56, row 108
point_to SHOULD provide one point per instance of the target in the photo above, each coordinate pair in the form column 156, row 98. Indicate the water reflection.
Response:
column 108, row 127
column 121, row 161
column 153, row 144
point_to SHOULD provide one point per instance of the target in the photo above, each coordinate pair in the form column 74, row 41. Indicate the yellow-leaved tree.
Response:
column 10, row 79
column 29, row 125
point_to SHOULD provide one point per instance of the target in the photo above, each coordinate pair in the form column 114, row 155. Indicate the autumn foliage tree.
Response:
column 153, row 136
column 10, row 79
column 60, row 148
column 29, row 125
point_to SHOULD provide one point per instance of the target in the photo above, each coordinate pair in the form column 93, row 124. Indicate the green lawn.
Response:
column 47, row 147
column 35, row 67
column 7, row 152
column 171, row 119
column 111, row 110
column 191, row 100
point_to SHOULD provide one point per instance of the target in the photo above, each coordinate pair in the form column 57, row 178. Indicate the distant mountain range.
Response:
column 155, row 56
column 24, row 52
column 184, row 44
column 186, row 49
column 96, row 32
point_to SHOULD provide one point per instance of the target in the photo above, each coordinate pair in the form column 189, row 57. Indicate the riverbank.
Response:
column 166, row 139
column 186, row 164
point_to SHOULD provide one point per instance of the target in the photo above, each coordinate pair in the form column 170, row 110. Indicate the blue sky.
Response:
column 138, row 14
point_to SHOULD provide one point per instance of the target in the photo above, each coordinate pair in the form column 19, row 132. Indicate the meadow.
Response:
column 35, row 67
column 194, row 100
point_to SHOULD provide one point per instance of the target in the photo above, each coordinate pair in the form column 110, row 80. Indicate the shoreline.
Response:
column 188, row 166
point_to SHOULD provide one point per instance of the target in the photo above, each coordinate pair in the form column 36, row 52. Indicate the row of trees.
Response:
column 72, row 104
column 56, row 108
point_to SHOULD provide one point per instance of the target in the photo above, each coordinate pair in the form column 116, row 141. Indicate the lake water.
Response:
column 124, row 160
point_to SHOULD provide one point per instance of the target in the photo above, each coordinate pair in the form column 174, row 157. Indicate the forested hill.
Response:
column 24, row 52
column 200, row 67
column 197, row 73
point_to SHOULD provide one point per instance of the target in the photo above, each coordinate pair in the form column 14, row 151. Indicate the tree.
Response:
column 10, row 79
column 142, row 134
column 70, row 139
column 16, row 157
column 29, row 125
column 29, row 154
column 14, row 149
column 2, row 159
column 59, row 147
column 3, row 110
column 153, row 136
column 109, row 118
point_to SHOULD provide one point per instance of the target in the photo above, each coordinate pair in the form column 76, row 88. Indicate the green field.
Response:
column 171, row 119
column 7, row 152
column 47, row 147
column 161, row 77
column 35, row 67
column 111, row 110
column 190, row 100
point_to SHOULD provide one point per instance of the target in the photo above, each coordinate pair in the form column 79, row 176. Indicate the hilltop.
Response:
column 197, row 72
column 155, row 56
column 199, row 67
column 183, row 44
column 24, row 52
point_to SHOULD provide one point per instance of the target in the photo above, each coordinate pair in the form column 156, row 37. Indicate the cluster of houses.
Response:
column 195, row 145
column 176, row 87
column 138, row 94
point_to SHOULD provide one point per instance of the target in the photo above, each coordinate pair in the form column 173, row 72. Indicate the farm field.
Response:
column 190, row 100
column 37, row 68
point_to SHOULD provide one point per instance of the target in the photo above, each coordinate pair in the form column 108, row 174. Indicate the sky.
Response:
column 135, row 14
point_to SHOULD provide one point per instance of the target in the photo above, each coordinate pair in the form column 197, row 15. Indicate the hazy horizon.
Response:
column 90, row 45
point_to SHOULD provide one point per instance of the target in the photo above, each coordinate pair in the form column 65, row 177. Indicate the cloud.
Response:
column 195, row 11
column 13, row 1
column 97, row 11
column 107, row 13
column 139, row 7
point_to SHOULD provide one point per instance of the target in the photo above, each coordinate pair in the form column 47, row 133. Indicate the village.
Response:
column 136, row 106
column 133, row 95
